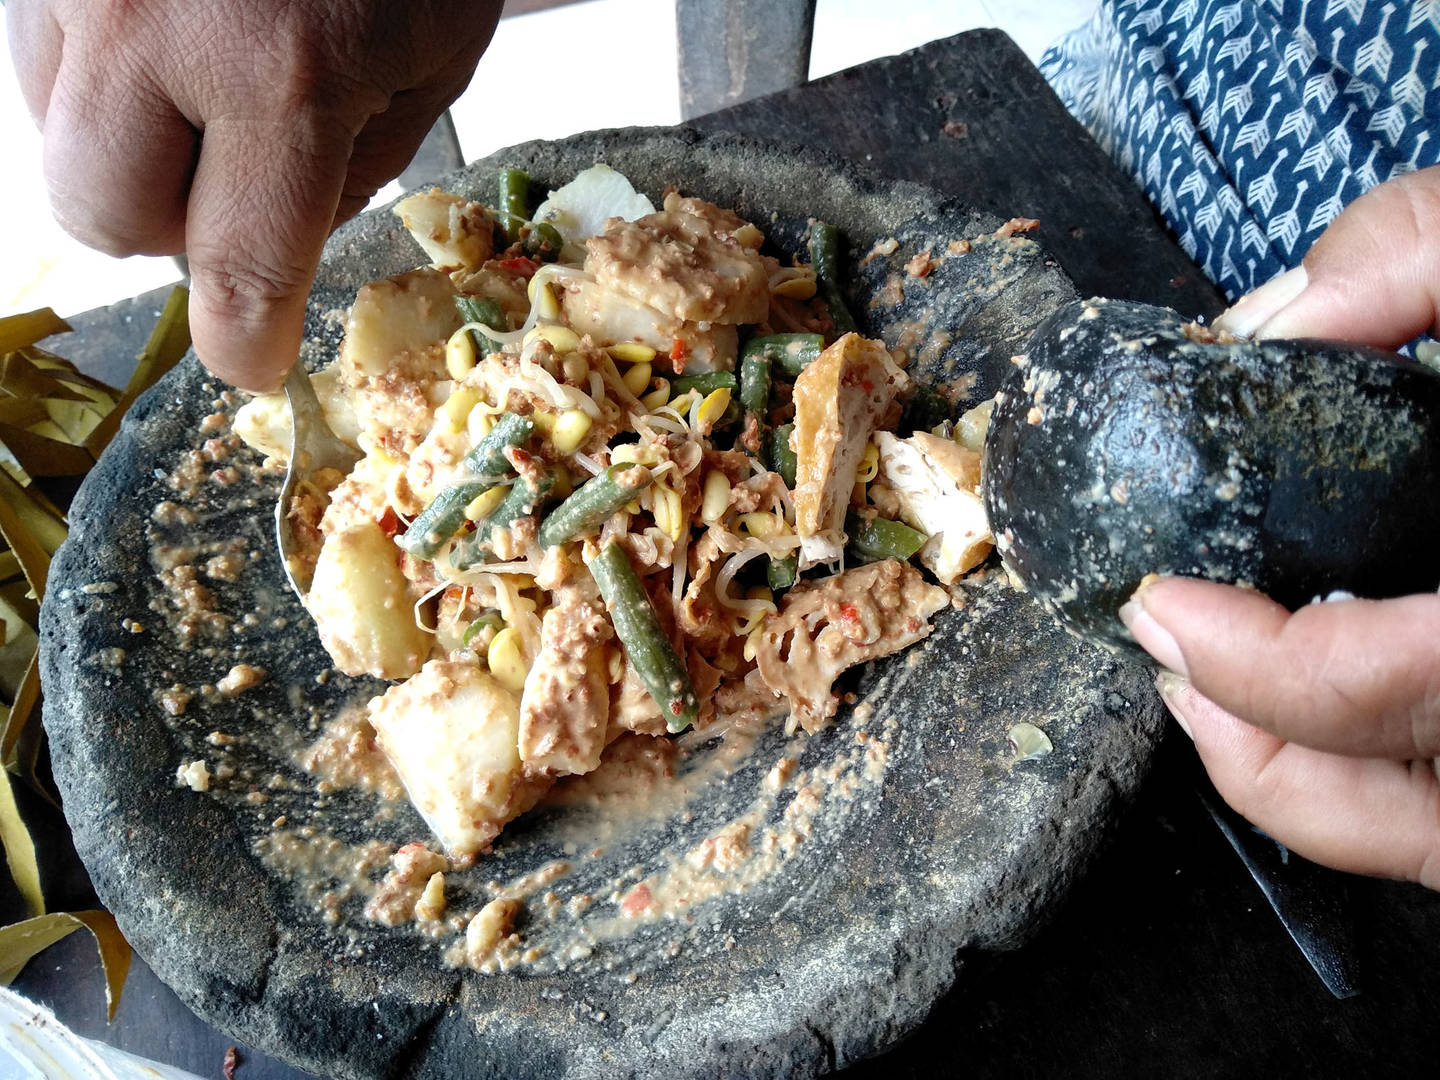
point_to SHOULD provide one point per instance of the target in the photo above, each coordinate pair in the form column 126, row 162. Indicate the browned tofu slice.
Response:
column 937, row 483
column 824, row 629
column 685, row 262
column 839, row 399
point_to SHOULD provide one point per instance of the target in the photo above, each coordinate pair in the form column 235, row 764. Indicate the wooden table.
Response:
column 1166, row 960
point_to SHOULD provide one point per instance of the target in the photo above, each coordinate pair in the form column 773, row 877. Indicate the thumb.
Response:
column 1373, row 276
column 260, row 208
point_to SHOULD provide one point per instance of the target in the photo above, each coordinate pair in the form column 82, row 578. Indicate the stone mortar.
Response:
column 839, row 954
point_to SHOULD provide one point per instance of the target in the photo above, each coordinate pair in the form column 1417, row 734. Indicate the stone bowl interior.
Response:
column 908, row 832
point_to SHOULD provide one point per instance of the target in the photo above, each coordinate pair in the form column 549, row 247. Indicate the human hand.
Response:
column 1322, row 727
column 240, row 132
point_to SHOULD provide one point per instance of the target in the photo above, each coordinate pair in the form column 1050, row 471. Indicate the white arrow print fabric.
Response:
column 1251, row 123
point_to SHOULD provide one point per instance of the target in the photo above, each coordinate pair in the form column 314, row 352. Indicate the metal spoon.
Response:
column 313, row 446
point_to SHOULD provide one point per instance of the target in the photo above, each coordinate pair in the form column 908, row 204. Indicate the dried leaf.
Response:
column 18, row 331
column 69, row 374
column 16, row 720
column 22, row 412
column 32, row 527
column 18, row 607
column 20, row 377
column 43, row 452
column 15, row 655
column 19, row 849
column 76, row 419
column 11, row 466
column 167, row 344
column 21, row 942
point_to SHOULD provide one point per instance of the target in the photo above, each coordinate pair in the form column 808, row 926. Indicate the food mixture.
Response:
column 625, row 473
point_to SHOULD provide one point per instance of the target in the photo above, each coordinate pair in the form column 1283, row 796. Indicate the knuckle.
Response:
column 244, row 290
column 1425, row 714
column 1420, row 193
column 117, row 235
column 1427, row 872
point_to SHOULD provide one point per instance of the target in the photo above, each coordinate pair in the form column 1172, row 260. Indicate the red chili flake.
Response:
column 390, row 522
column 678, row 351
column 227, row 1068
column 637, row 901
column 520, row 265
column 849, row 612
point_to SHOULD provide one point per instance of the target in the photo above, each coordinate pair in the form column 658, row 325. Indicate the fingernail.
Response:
column 1169, row 684
column 1248, row 316
column 1153, row 638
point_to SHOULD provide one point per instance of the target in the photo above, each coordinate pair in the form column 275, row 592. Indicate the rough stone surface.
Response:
column 1128, row 442
column 958, row 847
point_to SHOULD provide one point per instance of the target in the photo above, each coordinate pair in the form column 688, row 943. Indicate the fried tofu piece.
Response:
column 839, row 400
column 937, row 484
column 684, row 262
column 822, row 630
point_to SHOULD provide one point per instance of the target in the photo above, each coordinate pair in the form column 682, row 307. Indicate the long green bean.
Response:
column 877, row 538
column 480, row 309
column 825, row 259
column 791, row 353
column 491, row 620
column 442, row 518
column 543, row 242
column 755, row 384
column 646, row 646
column 707, row 383
column 778, row 455
column 592, row 502
column 522, row 500
column 487, row 458
column 781, row 573
column 514, row 201
column 445, row 513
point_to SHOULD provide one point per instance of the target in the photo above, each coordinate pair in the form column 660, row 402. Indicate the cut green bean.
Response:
column 593, row 502
column 755, row 384
column 874, row 539
column 514, row 201
column 778, row 455
column 791, row 353
column 543, row 242
column 781, row 573
column 706, row 383
column 925, row 409
column 442, row 518
column 488, row 456
column 480, row 309
column 646, row 646
column 489, row 619
column 825, row 259
column 521, row 501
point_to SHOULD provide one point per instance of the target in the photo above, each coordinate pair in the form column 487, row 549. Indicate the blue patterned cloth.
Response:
column 1251, row 123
